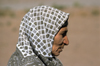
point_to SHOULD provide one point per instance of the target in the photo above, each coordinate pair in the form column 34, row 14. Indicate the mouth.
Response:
column 59, row 50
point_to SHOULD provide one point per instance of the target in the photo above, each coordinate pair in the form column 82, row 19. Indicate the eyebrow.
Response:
column 65, row 31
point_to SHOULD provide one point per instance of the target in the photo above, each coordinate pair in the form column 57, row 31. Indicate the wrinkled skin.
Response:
column 60, row 40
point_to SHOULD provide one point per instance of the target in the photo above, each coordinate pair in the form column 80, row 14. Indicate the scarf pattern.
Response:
column 37, row 30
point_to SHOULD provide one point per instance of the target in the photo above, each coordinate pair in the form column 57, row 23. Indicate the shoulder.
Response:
column 59, row 62
column 32, row 61
column 17, row 60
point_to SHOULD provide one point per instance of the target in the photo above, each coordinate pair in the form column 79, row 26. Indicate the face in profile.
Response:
column 60, row 40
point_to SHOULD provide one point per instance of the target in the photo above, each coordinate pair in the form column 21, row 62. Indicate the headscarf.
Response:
column 38, row 29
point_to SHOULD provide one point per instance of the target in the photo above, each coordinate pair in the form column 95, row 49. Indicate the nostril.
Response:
column 66, row 41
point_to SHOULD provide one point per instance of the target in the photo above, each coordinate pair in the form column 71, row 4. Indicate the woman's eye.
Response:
column 64, row 34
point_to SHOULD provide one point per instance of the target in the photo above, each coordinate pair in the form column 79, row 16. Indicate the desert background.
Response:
column 83, row 29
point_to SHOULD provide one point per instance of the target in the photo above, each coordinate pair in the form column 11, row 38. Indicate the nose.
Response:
column 66, row 41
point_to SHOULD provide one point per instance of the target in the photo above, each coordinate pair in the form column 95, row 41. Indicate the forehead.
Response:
column 63, row 29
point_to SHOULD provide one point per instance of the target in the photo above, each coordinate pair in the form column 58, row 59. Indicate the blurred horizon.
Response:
column 22, row 4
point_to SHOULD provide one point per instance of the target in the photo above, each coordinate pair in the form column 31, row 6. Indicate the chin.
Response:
column 57, row 54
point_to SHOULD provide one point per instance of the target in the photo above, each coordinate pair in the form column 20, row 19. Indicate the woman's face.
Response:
column 60, row 40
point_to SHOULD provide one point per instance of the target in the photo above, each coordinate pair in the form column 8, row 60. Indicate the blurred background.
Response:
column 83, row 29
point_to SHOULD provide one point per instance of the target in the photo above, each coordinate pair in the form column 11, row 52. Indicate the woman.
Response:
column 42, row 36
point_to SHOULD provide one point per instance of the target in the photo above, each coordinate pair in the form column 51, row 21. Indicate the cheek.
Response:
column 54, row 48
column 58, row 39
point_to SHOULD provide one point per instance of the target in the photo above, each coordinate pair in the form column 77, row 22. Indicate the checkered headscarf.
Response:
column 38, row 28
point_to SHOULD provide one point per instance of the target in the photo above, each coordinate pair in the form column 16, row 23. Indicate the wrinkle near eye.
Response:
column 64, row 34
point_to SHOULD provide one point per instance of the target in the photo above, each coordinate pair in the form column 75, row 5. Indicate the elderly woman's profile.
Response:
column 42, row 36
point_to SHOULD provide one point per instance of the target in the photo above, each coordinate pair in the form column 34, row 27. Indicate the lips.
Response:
column 61, row 50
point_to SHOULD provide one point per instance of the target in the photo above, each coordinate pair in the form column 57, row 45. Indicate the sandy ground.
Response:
column 83, row 34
